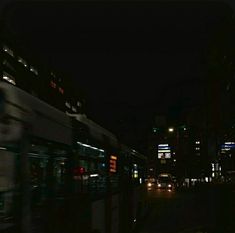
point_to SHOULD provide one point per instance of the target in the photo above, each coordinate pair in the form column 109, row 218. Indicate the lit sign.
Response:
column 164, row 175
column 162, row 145
column 113, row 163
column 167, row 155
column 113, row 157
column 164, row 151
column 227, row 146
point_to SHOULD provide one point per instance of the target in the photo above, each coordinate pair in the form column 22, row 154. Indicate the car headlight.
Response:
column 169, row 185
column 159, row 185
column 149, row 184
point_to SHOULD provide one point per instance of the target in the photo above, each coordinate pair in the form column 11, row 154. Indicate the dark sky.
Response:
column 133, row 60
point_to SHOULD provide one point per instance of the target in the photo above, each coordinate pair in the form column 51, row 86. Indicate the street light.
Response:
column 171, row 130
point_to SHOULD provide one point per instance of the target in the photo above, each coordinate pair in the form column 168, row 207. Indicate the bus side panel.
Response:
column 98, row 215
column 50, row 130
column 115, row 214
column 7, row 181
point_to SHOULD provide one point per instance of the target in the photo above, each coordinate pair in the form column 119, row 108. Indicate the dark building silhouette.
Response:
column 22, row 68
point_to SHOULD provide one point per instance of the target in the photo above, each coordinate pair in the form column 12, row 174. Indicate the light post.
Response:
column 171, row 129
column 178, row 151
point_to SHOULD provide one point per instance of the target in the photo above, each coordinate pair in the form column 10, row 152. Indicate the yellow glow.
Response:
column 113, row 163
column 113, row 157
column 164, row 175
column 171, row 130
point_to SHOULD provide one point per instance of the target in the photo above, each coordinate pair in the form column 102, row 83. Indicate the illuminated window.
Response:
column 74, row 109
column 135, row 171
column 32, row 69
column 53, row 84
column 113, row 163
column 7, row 77
column 67, row 104
column 8, row 50
column 52, row 74
column 79, row 104
column 61, row 90
column 22, row 61
column 155, row 130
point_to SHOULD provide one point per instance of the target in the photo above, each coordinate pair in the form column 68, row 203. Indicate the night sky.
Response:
column 133, row 60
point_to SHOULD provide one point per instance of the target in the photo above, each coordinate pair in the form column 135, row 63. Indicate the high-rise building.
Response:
column 21, row 68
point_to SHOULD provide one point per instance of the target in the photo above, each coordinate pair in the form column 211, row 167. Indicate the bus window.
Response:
column 37, row 167
column 38, row 170
column 60, row 170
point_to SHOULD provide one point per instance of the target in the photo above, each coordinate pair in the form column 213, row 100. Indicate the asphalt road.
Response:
column 207, row 209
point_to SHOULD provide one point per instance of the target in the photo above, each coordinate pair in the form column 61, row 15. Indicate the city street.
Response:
column 201, row 210
column 117, row 116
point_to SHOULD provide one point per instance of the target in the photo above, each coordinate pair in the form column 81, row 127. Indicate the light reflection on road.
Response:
column 162, row 193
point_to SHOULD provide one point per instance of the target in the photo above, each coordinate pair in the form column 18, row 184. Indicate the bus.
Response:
column 165, row 181
column 62, row 173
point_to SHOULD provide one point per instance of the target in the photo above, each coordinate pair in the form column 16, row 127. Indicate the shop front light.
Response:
column 159, row 185
column 169, row 185
column 149, row 185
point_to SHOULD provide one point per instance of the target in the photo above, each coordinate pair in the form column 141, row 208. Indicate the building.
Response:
column 21, row 68
column 180, row 148
column 161, row 148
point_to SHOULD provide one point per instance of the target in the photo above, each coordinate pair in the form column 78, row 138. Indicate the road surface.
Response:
column 207, row 209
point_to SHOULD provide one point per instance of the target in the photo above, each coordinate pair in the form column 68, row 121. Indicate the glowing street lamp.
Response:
column 171, row 130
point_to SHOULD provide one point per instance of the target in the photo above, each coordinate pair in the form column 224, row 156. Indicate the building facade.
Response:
column 20, row 68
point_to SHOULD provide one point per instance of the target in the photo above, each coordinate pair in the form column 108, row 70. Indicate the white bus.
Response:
column 52, row 167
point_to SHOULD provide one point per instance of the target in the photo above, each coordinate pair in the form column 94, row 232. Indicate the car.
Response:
column 151, row 183
column 165, row 181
